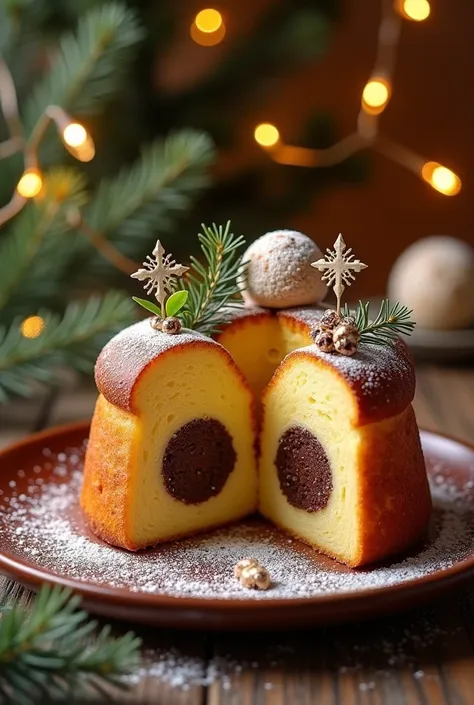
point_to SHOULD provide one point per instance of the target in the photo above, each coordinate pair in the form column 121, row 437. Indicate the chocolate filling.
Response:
column 198, row 460
column 303, row 470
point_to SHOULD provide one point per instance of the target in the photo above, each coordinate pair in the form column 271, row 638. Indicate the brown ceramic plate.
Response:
column 189, row 583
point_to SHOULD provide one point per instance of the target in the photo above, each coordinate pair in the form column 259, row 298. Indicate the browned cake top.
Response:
column 126, row 356
column 382, row 378
column 308, row 315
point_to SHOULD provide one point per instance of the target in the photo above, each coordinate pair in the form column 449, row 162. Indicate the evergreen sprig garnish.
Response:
column 212, row 285
column 392, row 320
column 47, row 653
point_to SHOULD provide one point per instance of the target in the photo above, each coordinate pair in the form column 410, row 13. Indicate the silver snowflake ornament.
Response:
column 339, row 266
column 159, row 270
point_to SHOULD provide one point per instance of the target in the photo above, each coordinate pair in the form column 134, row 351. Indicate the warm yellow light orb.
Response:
column 32, row 326
column 86, row 152
column 75, row 135
column 375, row 95
column 30, row 183
column 441, row 178
column 208, row 20
column 266, row 135
column 207, row 39
column 78, row 142
column 416, row 10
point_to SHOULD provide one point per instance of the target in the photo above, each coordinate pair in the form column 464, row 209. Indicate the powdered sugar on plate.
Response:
column 41, row 522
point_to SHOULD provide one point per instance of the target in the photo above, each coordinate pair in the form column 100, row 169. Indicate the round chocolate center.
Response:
column 303, row 470
column 198, row 460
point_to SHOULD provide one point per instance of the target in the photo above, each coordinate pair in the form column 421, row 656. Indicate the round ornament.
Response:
column 279, row 273
column 435, row 278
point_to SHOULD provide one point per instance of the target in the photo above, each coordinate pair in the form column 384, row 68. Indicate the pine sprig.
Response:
column 212, row 286
column 151, row 194
column 46, row 652
column 90, row 64
column 392, row 320
column 32, row 258
column 75, row 339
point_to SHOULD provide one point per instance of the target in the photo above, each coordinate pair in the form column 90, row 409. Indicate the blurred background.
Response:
column 123, row 122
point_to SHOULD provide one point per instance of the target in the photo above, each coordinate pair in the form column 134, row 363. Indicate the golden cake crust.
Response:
column 107, row 473
column 395, row 504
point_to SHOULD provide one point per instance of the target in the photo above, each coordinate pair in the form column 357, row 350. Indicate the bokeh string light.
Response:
column 208, row 20
column 440, row 178
column 375, row 98
column 266, row 135
column 78, row 142
column 416, row 10
column 73, row 135
column 208, row 28
column 32, row 327
column 30, row 183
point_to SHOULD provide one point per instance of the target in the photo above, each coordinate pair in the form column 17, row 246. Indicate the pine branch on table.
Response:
column 45, row 653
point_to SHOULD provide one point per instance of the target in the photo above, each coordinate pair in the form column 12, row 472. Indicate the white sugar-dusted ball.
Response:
column 435, row 278
column 279, row 272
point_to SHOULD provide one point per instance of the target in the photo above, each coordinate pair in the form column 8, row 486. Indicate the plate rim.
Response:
column 33, row 576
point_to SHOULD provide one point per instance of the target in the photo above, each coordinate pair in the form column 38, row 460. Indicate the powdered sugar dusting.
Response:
column 130, row 351
column 349, row 655
column 42, row 523
column 309, row 315
column 279, row 273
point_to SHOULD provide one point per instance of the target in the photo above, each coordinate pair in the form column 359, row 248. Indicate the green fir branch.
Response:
column 149, row 196
column 74, row 339
column 32, row 259
column 213, row 289
column 89, row 65
column 392, row 320
column 44, row 653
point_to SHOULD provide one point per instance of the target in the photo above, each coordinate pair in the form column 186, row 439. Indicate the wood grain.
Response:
column 421, row 657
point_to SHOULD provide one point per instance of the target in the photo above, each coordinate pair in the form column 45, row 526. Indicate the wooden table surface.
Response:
column 420, row 657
